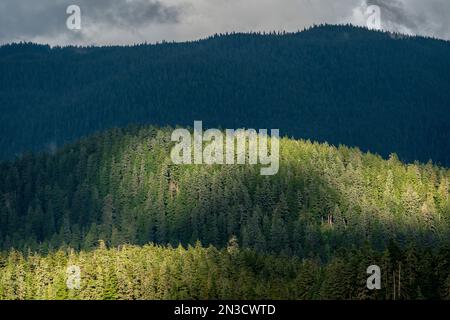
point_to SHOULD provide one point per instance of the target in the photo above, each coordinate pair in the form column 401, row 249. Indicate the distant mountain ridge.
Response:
column 339, row 84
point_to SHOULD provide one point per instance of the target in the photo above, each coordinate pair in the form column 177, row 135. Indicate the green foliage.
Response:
column 308, row 232
column 156, row 272
column 121, row 187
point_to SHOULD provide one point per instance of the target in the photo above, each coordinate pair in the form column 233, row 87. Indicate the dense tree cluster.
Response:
column 155, row 272
column 339, row 84
column 122, row 187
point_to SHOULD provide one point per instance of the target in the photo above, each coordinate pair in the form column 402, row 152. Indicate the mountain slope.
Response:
column 347, row 85
column 309, row 232
column 122, row 187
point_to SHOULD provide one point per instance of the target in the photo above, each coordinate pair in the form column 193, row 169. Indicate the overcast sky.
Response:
column 137, row 21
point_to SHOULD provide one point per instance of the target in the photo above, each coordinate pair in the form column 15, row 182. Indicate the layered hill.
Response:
column 381, row 92
column 308, row 232
column 122, row 187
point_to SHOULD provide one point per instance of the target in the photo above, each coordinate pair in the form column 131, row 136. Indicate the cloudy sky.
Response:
column 136, row 21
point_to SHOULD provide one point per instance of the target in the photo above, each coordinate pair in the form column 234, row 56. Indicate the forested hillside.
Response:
column 381, row 92
column 226, row 232
column 121, row 187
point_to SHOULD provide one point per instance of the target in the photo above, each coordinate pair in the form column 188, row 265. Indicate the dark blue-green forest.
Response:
column 379, row 91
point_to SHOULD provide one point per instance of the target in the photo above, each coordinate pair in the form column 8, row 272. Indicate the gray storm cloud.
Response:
column 395, row 15
column 135, row 21
column 415, row 17
column 134, row 13
column 35, row 20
